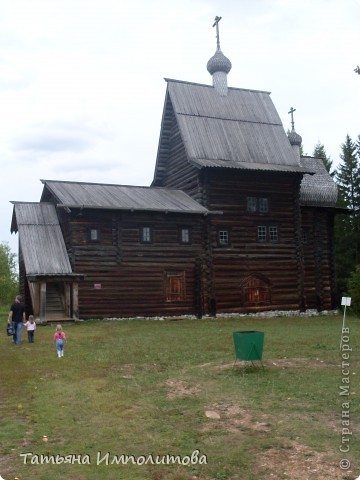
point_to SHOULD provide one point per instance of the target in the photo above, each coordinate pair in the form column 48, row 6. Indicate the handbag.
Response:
column 10, row 330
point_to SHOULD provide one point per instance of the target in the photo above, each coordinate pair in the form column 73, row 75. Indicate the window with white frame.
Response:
column 261, row 233
column 223, row 238
column 267, row 233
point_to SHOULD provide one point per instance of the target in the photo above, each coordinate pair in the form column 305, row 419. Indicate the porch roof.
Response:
column 41, row 241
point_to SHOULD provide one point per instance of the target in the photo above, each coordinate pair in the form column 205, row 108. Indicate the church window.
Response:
column 251, row 204
column 261, row 233
column 146, row 235
column 223, row 238
column 94, row 235
column 267, row 233
column 184, row 235
column 257, row 204
column 273, row 233
column 263, row 205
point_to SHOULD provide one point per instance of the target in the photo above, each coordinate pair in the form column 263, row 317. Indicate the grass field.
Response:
column 152, row 387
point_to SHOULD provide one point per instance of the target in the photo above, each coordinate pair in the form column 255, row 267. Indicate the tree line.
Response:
column 8, row 275
column 347, row 228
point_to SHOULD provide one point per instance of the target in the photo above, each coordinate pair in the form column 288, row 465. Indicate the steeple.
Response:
column 294, row 138
column 219, row 66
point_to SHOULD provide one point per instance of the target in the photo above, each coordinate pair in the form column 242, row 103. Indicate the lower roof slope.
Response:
column 41, row 241
column 120, row 197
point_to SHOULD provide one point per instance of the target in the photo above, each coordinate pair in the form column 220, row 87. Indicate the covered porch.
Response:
column 47, row 282
column 54, row 299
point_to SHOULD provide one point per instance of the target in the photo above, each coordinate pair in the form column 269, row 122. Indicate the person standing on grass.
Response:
column 17, row 316
column 59, row 339
column 31, row 327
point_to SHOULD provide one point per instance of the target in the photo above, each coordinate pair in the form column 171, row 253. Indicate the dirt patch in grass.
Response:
column 282, row 363
column 296, row 363
column 5, row 462
column 180, row 388
column 233, row 418
column 298, row 462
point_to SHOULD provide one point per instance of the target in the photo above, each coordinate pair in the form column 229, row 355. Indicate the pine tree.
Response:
column 319, row 152
column 347, row 227
column 348, row 175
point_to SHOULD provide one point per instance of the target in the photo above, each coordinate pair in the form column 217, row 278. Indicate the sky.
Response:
column 82, row 81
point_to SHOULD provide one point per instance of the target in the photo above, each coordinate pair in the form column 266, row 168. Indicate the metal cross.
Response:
column 292, row 110
column 216, row 23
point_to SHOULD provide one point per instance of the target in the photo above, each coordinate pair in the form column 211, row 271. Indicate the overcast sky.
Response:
column 82, row 81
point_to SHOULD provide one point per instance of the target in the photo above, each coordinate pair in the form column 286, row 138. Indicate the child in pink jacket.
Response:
column 59, row 339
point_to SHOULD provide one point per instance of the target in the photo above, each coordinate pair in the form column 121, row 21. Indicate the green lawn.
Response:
column 152, row 387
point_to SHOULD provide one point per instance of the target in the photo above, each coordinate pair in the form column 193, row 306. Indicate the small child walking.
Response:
column 59, row 338
column 30, row 327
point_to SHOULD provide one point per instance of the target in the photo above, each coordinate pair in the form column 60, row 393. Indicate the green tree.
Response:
column 354, row 290
column 319, row 152
column 347, row 227
column 8, row 275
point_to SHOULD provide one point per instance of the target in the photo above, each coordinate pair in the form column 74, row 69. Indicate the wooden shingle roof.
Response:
column 241, row 130
column 318, row 190
column 121, row 197
column 41, row 241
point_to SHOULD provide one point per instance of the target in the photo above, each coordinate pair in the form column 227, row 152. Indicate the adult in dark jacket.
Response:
column 17, row 316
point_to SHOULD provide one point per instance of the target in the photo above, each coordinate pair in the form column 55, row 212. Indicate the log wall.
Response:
column 174, row 171
column 125, row 277
column 318, row 254
column 278, row 263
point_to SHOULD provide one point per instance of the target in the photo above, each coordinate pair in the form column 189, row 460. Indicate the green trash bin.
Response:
column 248, row 345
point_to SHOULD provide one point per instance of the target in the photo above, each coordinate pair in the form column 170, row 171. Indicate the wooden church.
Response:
column 235, row 220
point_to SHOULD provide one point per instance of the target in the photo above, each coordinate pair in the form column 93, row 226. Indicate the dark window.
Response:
column 146, row 235
column 223, row 238
column 94, row 235
column 257, row 204
column 175, row 290
column 273, row 234
column 305, row 235
column 263, row 205
column 184, row 235
column 251, row 204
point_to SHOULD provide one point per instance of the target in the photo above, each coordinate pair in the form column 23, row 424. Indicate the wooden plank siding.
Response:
column 131, row 273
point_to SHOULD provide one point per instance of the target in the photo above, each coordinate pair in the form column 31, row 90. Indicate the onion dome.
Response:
column 294, row 138
column 218, row 63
